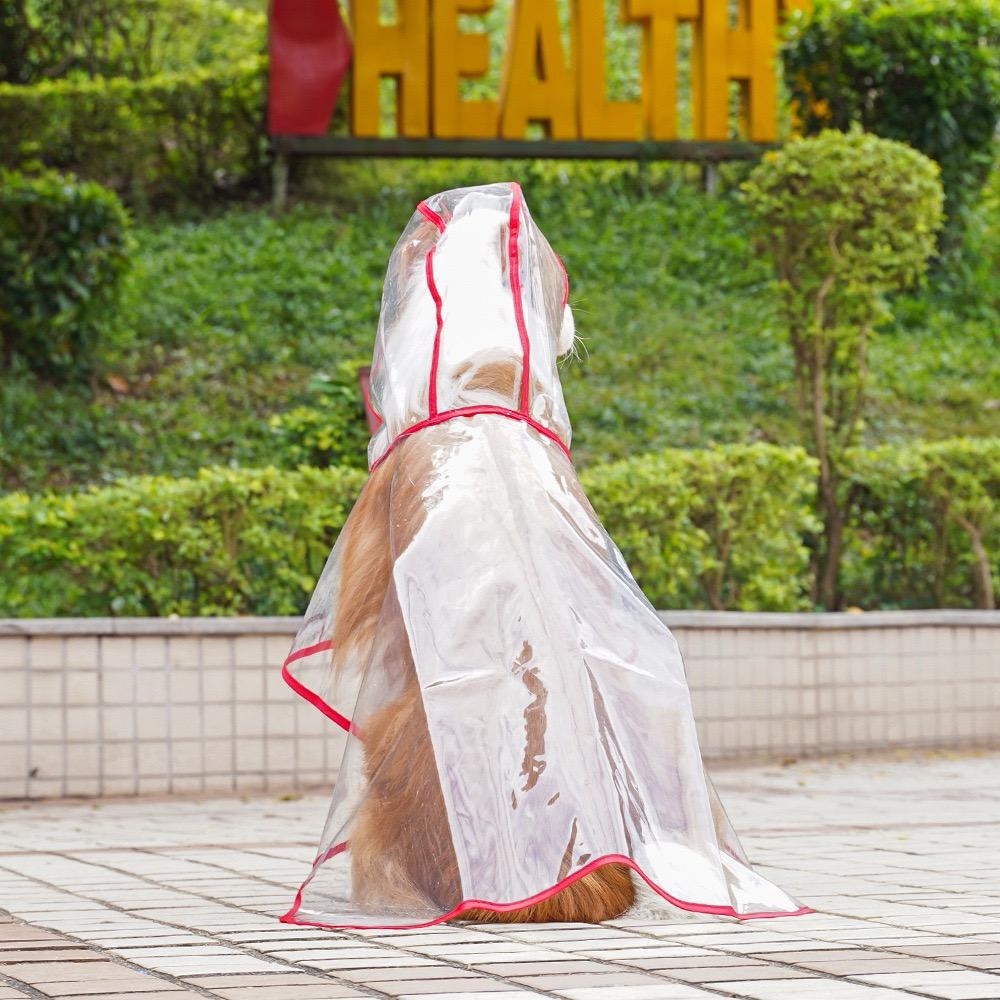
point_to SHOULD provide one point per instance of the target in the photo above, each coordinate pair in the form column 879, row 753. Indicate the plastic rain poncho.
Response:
column 474, row 602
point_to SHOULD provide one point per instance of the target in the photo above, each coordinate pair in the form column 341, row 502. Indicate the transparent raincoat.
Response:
column 517, row 712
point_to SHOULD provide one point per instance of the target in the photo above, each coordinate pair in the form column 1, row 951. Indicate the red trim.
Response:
column 470, row 411
column 430, row 215
column 368, row 403
column 330, row 852
column 432, row 394
column 562, row 266
column 314, row 699
column 538, row 897
column 514, row 266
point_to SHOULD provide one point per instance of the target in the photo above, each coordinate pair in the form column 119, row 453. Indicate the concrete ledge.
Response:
column 132, row 706
column 825, row 620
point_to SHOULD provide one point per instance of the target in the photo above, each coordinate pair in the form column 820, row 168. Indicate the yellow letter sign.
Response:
column 455, row 55
column 537, row 84
column 598, row 115
column 428, row 56
column 397, row 50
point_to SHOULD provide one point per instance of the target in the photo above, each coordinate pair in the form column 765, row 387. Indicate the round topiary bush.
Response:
column 63, row 251
column 161, row 100
column 846, row 219
column 926, row 72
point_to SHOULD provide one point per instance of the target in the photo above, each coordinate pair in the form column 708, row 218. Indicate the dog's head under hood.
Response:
column 474, row 313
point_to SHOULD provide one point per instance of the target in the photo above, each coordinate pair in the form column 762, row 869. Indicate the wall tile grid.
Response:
column 828, row 690
column 139, row 706
column 149, row 714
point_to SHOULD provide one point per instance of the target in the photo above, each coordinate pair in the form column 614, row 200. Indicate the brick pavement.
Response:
column 159, row 900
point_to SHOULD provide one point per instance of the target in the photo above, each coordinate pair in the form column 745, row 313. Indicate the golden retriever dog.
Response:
column 401, row 846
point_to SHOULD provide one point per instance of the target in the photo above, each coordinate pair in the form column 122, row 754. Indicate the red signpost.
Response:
column 310, row 51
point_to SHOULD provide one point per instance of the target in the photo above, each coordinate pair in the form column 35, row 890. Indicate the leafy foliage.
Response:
column 926, row 72
column 719, row 528
column 924, row 524
column 87, row 39
column 846, row 219
column 334, row 432
column 225, row 542
column 724, row 527
column 225, row 323
column 63, row 251
column 161, row 101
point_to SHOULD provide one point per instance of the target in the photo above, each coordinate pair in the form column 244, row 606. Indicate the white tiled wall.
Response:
column 151, row 706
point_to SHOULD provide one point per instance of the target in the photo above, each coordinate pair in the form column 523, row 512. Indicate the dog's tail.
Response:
column 603, row 894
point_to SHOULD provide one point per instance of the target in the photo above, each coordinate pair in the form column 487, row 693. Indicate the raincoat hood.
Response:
column 471, row 283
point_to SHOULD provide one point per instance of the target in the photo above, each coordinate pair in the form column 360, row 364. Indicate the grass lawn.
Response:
column 225, row 320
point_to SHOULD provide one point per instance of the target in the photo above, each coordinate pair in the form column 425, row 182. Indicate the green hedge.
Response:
column 189, row 127
column 331, row 431
column 926, row 72
column 925, row 525
column 225, row 542
column 713, row 528
column 63, row 252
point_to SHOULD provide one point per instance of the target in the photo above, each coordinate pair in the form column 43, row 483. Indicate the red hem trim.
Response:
column 471, row 411
column 716, row 909
column 514, row 267
column 565, row 273
column 368, row 402
column 314, row 699
column 430, row 215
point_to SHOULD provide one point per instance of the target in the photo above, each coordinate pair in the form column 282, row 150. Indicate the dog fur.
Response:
column 401, row 847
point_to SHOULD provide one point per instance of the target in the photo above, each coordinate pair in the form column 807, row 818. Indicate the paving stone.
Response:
column 666, row 964
column 875, row 964
column 927, row 981
column 975, row 962
column 137, row 984
column 200, row 884
column 667, row 991
column 738, row 972
column 559, row 967
column 558, row 981
column 321, row 992
column 402, row 974
column 167, row 994
column 441, row 987
column 55, row 972
column 50, row 954
column 261, row 979
column 503, row 995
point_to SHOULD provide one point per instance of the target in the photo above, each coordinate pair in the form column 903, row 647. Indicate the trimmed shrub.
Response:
column 846, row 219
column 63, row 251
column 170, row 107
column 926, row 72
column 226, row 542
column 713, row 528
column 333, row 431
column 924, row 529
column 698, row 527
column 83, row 39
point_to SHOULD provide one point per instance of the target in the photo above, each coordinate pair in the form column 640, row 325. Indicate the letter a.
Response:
column 537, row 84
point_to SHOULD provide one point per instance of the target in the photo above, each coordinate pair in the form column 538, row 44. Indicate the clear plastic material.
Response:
column 517, row 712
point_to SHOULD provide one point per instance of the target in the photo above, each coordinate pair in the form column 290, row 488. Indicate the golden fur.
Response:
column 401, row 847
